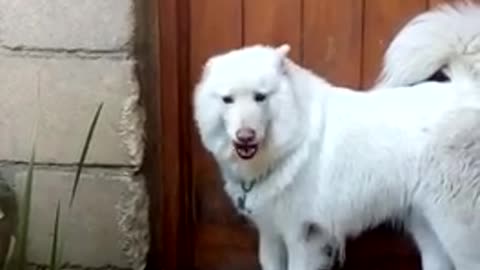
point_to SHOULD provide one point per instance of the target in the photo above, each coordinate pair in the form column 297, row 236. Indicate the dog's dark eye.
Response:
column 227, row 99
column 259, row 97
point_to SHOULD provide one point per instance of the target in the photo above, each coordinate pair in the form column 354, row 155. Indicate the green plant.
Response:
column 17, row 258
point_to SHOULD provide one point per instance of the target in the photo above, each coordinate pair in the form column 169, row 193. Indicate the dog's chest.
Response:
column 286, row 210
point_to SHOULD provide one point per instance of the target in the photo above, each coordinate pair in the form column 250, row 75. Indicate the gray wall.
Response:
column 58, row 60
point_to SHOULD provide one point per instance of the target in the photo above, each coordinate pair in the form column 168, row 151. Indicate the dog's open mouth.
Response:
column 246, row 151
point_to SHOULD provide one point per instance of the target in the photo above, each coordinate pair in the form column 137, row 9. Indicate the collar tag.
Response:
column 246, row 188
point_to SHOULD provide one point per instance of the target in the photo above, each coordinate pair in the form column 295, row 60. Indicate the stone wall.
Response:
column 58, row 60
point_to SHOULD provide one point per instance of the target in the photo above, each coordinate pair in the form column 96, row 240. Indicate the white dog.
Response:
column 308, row 161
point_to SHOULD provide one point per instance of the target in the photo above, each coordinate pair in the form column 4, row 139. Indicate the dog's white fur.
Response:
column 446, row 39
column 350, row 160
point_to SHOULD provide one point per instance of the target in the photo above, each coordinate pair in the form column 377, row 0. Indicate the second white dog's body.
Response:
column 295, row 150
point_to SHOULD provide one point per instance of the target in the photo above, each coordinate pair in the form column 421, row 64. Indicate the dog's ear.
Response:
column 206, row 68
column 283, row 51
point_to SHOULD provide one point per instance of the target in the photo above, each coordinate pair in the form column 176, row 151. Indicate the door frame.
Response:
column 162, row 49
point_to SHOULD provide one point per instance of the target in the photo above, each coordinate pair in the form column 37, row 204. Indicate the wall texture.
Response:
column 58, row 60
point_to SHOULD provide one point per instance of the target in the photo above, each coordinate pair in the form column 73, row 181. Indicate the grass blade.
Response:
column 20, row 261
column 84, row 153
column 55, row 241
column 60, row 253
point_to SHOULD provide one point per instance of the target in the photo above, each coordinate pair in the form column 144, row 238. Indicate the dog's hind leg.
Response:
column 451, row 187
column 434, row 256
column 460, row 236
column 272, row 251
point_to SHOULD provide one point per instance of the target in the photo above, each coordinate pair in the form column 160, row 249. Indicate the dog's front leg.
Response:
column 305, row 257
column 272, row 251
column 433, row 254
column 311, row 249
column 297, row 256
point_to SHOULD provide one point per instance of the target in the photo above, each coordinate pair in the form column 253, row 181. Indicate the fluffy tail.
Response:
column 443, row 41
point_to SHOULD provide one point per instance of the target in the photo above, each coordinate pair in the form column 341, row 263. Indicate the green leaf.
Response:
column 84, row 152
column 20, row 253
column 61, row 248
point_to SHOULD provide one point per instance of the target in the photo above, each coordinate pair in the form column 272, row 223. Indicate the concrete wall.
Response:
column 58, row 60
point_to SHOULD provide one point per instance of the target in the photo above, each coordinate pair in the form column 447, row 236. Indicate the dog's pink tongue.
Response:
column 245, row 152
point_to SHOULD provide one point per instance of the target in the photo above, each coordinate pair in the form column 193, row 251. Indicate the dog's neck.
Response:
column 250, row 194
column 251, row 171
column 239, row 185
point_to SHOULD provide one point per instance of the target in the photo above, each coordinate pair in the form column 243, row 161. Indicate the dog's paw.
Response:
column 320, row 245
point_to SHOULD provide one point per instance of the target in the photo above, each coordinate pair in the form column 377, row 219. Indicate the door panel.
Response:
column 334, row 54
column 274, row 22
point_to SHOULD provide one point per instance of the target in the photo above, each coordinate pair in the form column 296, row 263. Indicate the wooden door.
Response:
column 194, row 226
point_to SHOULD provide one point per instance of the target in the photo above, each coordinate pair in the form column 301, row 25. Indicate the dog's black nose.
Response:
column 245, row 135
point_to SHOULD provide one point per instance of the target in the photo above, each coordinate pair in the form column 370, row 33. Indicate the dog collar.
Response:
column 246, row 188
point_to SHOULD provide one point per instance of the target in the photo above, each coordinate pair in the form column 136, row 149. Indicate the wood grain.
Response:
column 274, row 22
column 162, row 44
column 333, row 40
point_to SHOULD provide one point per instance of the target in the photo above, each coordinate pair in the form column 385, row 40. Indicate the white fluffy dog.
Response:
column 312, row 164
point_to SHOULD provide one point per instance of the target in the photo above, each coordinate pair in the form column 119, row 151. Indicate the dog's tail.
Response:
column 441, row 44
